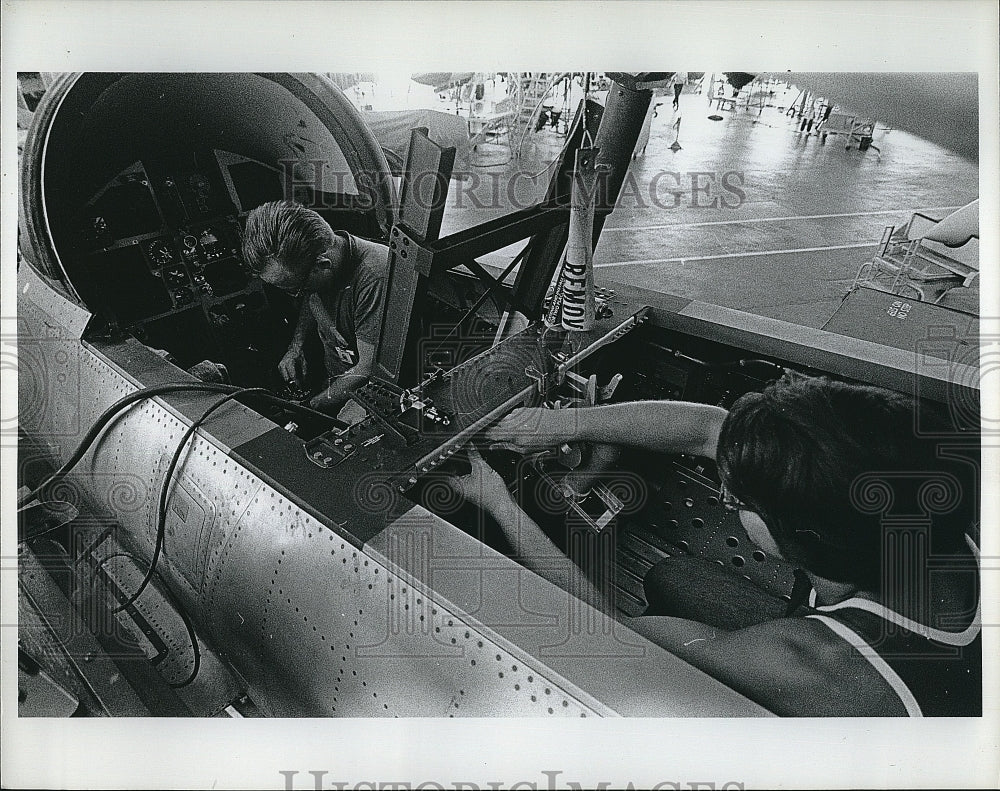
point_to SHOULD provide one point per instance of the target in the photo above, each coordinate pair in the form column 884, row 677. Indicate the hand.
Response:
column 325, row 402
column 483, row 486
column 293, row 367
column 535, row 428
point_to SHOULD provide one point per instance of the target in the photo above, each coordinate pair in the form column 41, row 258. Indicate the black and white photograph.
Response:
column 645, row 421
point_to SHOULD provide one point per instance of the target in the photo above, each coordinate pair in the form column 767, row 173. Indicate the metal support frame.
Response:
column 421, row 209
column 615, row 128
column 416, row 253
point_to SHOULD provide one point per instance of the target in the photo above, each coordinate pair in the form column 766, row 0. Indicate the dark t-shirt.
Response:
column 346, row 313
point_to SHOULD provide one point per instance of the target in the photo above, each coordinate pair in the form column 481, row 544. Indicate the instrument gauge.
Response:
column 160, row 253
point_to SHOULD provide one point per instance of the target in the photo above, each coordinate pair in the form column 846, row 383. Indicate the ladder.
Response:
column 532, row 89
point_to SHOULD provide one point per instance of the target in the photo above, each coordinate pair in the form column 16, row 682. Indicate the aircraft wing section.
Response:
column 940, row 107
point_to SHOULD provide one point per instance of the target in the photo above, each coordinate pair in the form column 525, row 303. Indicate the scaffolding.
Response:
column 907, row 264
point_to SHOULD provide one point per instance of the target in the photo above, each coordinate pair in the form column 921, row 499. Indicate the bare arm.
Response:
column 293, row 366
column 305, row 325
column 791, row 666
column 535, row 550
column 662, row 426
column 339, row 391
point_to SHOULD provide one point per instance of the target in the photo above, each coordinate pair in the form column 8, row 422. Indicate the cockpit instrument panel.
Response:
column 160, row 244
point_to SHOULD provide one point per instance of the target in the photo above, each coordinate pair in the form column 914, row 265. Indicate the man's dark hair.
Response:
column 285, row 232
column 825, row 462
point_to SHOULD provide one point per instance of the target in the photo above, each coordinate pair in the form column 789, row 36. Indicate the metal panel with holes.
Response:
column 313, row 625
column 684, row 517
column 332, row 631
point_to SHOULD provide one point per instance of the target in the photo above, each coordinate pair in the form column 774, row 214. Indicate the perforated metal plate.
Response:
column 685, row 517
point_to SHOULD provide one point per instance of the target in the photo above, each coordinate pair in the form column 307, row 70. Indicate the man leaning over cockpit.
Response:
column 341, row 280
column 791, row 460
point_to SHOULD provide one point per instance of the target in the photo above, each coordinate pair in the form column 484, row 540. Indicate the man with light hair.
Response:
column 341, row 282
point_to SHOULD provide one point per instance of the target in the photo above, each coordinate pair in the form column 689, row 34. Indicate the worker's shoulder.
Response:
column 793, row 640
column 781, row 653
column 373, row 258
column 796, row 638
column 771, row 648
column 797, row 666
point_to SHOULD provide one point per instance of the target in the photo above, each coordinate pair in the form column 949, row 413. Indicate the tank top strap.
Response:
column 963, row 638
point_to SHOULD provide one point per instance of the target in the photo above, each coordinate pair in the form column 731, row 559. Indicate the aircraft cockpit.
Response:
column 136, row 190
column 146, row 184
column 160, row 258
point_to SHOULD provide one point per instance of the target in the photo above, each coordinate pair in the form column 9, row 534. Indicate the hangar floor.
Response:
column 811, row 212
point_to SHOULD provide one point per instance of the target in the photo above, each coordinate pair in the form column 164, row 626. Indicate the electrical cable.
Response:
column 112, row 411
column 161, row 508
column 47, row 530
column 192, row 636
column 232, row 393
column 98, row 426
column 188, row 625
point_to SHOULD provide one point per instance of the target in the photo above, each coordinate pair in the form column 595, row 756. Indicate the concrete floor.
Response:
column 810, row 214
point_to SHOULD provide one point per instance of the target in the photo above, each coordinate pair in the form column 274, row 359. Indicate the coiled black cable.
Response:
column 161, row 506
column 231, row 394
column 149, row 392
column 188, row 625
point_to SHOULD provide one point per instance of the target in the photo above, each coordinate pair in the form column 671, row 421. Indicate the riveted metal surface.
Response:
column 110, row 485
column 50, row 380
column 338, row 634
column 46, row 332
column 230, row 426
column 120, row 478
column 592, row 657
column 36, row 291
column 316, row 626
